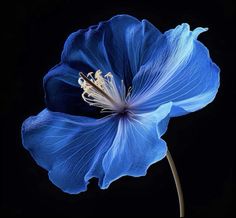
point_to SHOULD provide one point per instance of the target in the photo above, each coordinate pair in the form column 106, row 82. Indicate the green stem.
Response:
column 177, row 183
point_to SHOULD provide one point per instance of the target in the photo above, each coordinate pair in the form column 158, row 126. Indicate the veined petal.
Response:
column 180, row 71
column 71, row 148
column 74, row 149
column 137, row 145
column 120, row 45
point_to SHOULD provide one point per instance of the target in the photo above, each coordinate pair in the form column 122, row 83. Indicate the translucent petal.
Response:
column 180, row 71
column 71, row 148
column 137, row 145
column 74, row 149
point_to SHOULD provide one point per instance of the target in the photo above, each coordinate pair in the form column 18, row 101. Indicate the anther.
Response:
column 101, row 91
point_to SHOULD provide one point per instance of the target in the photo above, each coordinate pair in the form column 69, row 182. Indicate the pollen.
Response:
column 102, row 91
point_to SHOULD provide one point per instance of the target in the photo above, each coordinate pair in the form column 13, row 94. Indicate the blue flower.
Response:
column 109, row 123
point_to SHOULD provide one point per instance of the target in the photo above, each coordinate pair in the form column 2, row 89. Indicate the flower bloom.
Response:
column 110, row 98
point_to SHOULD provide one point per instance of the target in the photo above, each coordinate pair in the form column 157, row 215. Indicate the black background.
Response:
column 202, row 143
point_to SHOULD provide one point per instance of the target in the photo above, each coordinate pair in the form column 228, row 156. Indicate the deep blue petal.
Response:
column 137, row 145
column 180, row 71
column 70, row 147
column 120, row 45
column 63, row 93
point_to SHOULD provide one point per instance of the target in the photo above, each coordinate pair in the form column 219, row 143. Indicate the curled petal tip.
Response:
column 196, row 32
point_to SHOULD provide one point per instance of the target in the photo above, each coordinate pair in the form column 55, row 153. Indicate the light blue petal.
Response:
column 137, row 145
column 179, row 71
column 71, row 148
column 75, row 149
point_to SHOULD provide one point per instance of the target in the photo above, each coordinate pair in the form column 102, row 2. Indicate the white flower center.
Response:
column 102, row 91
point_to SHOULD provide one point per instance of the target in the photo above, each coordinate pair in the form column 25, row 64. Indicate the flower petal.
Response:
column 120, row 45
column 180, row 71
column 71, row 148
column 74, row 149
column 137, row 145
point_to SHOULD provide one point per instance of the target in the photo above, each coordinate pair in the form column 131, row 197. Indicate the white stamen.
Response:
column 101, row 91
